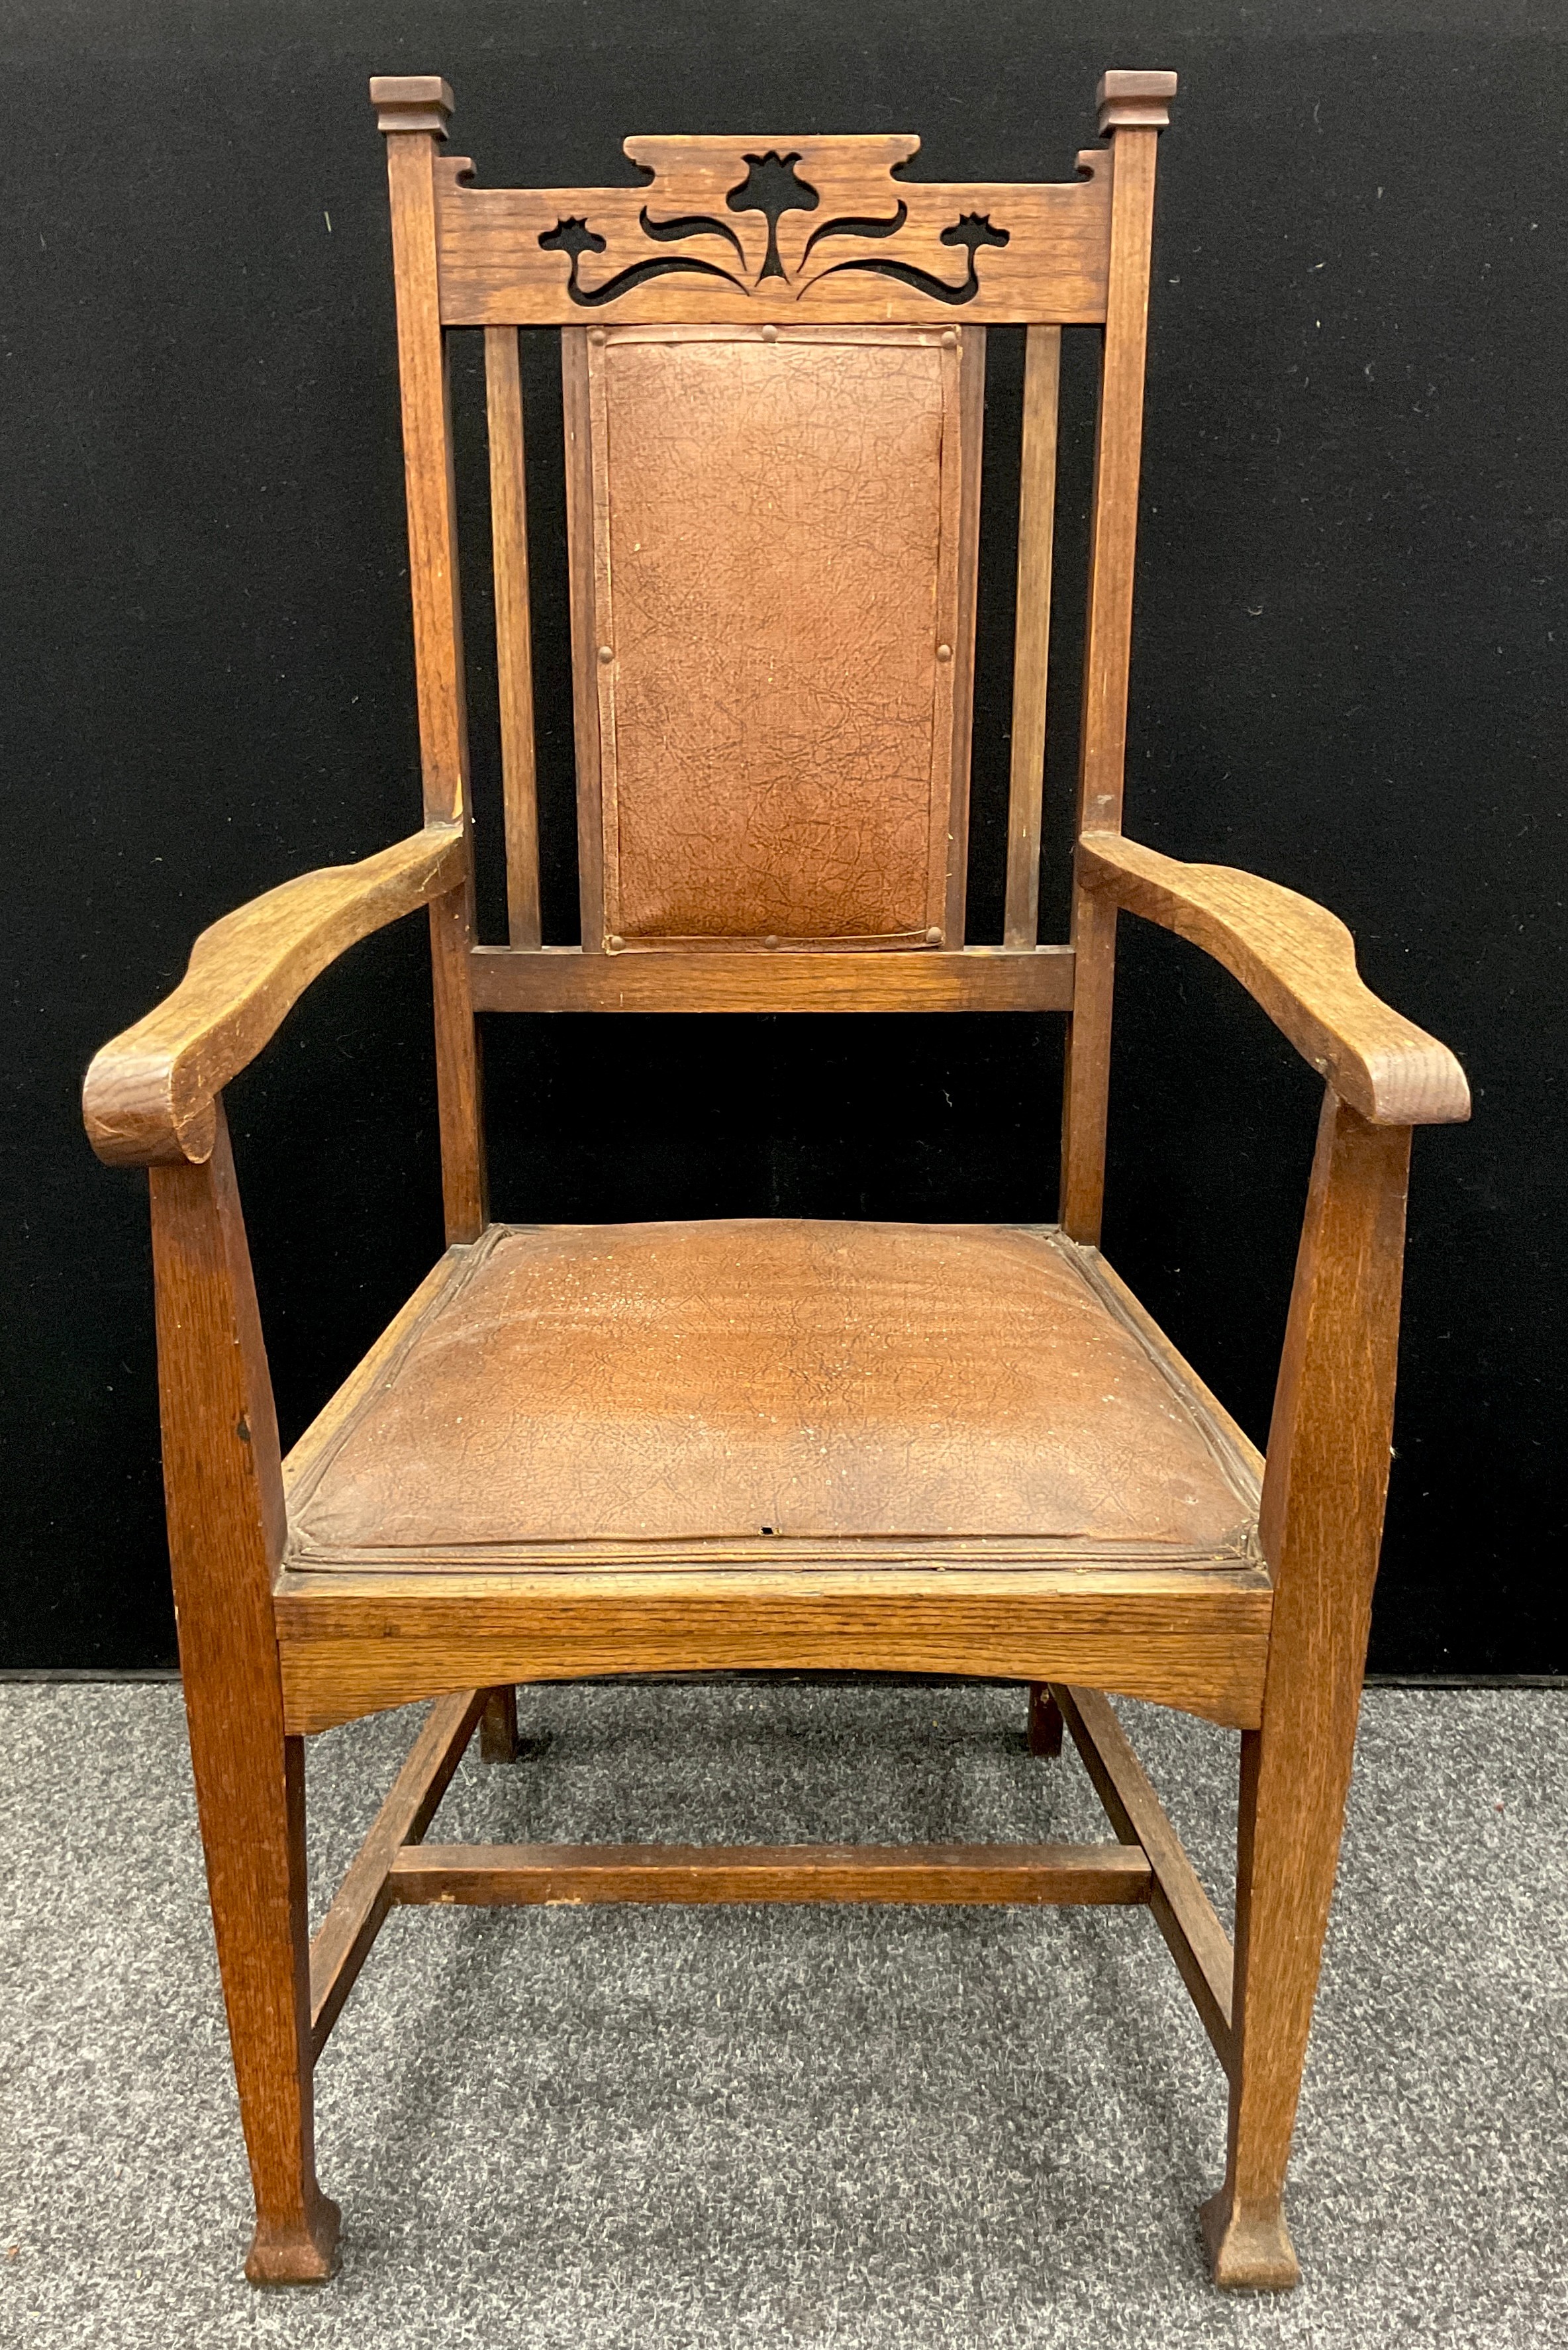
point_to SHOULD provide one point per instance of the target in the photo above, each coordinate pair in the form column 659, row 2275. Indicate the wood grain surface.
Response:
column 150, row 1096
column 1032, row 647
column 226, row 1522
column 1298, row 962
column 1182, row 1909
column 485, row 1875
column 792, row 979
column 514, row 638
column 351, row 1644
column 1324, row 1495
column 776, row 230
column 1107, row 653
column 341, row 1943
column 423, row 377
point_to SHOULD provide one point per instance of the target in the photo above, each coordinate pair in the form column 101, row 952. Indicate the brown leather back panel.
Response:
column 778, row 624
column 658, row 1385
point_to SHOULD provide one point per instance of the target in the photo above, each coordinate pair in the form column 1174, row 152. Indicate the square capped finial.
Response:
column 411, row 102
column 1135, row 101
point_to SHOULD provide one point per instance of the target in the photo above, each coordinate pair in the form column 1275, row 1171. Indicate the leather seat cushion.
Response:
column 650, row 1385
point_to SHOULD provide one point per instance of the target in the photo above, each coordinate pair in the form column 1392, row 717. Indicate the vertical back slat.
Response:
column 585, row 643
column 972, row 428
column 1032, row 645
column 1107, row 648
column 514, row 644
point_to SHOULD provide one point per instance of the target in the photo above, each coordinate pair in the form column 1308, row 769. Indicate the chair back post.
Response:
column 413, row 111
column 1134, row 107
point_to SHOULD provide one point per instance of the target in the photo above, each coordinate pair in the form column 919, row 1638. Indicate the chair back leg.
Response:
column 498, row 1741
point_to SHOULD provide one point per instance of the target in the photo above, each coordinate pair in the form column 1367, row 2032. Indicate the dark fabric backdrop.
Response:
column 1348, row 674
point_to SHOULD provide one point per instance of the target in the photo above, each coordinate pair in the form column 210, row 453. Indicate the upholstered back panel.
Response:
column 773, row 548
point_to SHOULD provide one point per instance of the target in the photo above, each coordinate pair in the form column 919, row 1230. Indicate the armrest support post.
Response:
column 1324, row 1492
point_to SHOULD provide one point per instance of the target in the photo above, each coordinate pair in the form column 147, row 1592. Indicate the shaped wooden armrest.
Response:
column 149, row 1095
column 1298, row 962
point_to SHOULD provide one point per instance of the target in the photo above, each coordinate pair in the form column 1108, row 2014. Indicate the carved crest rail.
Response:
column 791, row 231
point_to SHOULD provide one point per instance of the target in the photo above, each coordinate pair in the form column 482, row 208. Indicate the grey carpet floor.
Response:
column 755, row 2126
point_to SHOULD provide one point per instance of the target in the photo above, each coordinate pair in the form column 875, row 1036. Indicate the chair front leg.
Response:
column 250, row 1793
column 1287, row 1849
column 223, row 1485
column 1321, row 1526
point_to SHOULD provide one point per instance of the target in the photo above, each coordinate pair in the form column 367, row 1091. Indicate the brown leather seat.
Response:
column 652, row 1389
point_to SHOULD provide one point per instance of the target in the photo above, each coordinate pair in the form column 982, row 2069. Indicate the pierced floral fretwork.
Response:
column 815, row 229
column 773, row 187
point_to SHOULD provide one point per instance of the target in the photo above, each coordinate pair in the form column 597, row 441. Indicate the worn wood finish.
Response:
column 464, row 1183
column 1324, row 1495
column 1298, row 962
column 1031, row 634
column 428, row 469
column 150, row 1096
column 411, row 133
column 1182, row 1909
column 567, row 1874
column 224, row 1489
column 341, row 1943
column 498, row 1738
column 1085, row 1078
column 353, row 1644
column 513, row 639
column 792, row 979
column 1139, row 100
column 853, row 245
column 1108, row 648
column 411, row 102
column 1045, row 1725
column 577, row 426
column 952, row 856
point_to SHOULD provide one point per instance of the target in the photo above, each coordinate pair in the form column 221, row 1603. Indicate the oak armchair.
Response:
column 773, row 1444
